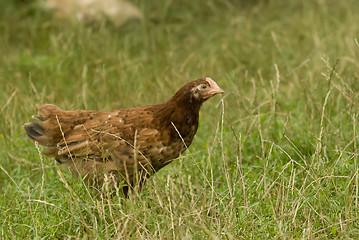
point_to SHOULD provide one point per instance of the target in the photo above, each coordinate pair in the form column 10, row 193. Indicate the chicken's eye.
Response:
column 203, row 86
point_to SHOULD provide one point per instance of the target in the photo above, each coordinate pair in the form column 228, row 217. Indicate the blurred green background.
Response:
column 276, row 157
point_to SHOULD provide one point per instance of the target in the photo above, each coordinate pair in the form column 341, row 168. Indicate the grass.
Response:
column 276, row 157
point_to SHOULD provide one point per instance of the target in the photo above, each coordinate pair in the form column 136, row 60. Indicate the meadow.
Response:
column 275, row 157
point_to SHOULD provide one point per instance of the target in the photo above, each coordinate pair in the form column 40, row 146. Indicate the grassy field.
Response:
column 275, row 158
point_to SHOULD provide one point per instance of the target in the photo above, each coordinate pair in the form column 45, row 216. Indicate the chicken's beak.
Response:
column 214, row 87
column 216, row 90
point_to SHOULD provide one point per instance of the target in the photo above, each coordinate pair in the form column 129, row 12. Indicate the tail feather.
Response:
column 47, row 110
column 52, row 124
column 42, row 130
column 34, row 130
column 38, row 118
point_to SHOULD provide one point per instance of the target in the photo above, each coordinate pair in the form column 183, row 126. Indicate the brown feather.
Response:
column 125, row 144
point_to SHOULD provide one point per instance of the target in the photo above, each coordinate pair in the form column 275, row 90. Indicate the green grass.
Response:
column 277, row 158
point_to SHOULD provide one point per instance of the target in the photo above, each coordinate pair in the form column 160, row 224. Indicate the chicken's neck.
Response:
column 180, row 116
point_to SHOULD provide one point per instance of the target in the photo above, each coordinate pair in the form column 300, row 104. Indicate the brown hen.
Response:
column 122, row 145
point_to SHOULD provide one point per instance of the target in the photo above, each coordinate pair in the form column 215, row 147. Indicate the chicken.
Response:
column 126, row 145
